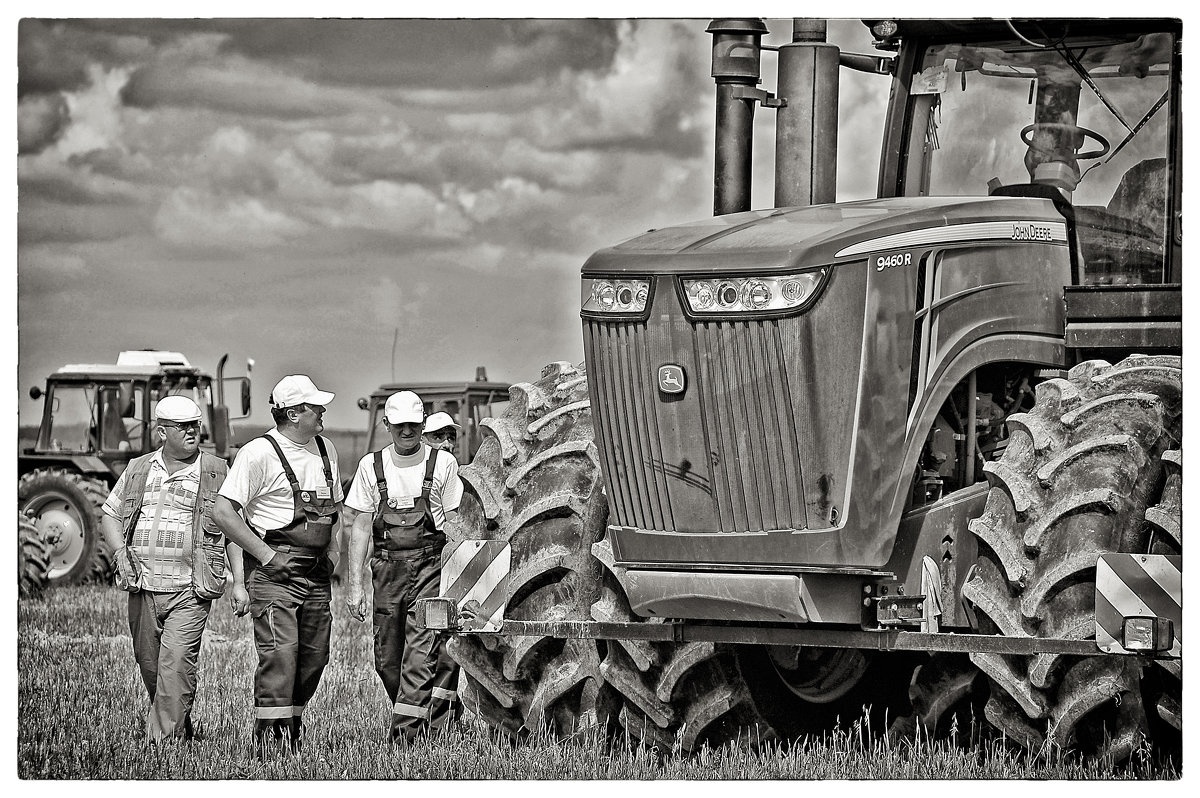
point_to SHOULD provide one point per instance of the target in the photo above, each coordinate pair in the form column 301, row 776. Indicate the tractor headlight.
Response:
column 752, row 294
column 605, row 295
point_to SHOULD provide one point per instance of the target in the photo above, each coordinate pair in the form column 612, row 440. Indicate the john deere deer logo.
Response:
column 671, row 379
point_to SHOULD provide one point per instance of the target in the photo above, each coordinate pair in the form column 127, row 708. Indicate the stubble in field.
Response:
column 82, row 705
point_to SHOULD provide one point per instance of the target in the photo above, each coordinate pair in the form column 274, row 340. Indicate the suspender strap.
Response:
column 427, row 483
column 325, row 461
column 287, row 468
column 380, row 481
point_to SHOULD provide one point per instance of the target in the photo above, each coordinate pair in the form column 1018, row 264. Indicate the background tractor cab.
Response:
column 468, row 403
column 95, row 419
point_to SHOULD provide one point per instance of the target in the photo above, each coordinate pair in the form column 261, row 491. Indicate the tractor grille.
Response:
column 626, row 425
column 738, row 404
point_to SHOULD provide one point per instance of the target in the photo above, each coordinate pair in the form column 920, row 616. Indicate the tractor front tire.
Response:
column 1083, row 475
column 535, row 483
column 65, row 506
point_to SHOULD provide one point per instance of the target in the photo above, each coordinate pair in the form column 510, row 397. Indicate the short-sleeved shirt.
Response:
column 162, row 535
column 257, row 482
column 404, row 475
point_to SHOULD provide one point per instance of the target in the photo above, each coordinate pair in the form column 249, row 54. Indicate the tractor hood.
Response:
column 787, row 238
column 705, row 425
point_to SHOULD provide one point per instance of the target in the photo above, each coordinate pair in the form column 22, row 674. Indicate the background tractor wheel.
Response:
column 535, row 483
column 1083, row 475
column 65, row 506
column 33, row 559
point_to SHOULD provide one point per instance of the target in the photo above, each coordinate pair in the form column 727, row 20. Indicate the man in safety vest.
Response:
column 400, row 500
column 279, row 509
column 170, row 558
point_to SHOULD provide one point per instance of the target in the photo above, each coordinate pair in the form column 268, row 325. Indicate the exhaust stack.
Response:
column 735, row 66
column 806, row 125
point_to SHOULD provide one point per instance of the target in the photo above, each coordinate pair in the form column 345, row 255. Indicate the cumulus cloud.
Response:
column 52, row 263
column 41, row 120
column 192, row 219
column 649, row 98
column 398, row 209
column 237, row 86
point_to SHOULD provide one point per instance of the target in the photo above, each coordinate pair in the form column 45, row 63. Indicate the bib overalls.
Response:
column 406, row 565
column 291, row 609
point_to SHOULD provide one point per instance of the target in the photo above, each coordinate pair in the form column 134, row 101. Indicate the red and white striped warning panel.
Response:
column 1137, row 586
column 476, row 572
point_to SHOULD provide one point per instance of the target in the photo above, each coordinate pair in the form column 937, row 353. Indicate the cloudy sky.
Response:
column 303, row 192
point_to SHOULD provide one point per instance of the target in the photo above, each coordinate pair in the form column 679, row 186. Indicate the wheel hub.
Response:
column 62, row 531
column 818, row 675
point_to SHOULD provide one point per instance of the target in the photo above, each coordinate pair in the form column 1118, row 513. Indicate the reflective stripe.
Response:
column 272, row 713
column 443, row 694
column 410, row 710
column 297, row 711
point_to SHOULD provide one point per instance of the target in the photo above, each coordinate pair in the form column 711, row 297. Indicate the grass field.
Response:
column 81, row 707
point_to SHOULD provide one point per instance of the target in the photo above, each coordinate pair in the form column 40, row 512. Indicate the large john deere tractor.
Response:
column 95, row 419
column 920, row 453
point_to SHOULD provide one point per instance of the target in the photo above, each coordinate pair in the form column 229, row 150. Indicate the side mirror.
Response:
column 363, row 404
column 36, row 393
column 243, row 393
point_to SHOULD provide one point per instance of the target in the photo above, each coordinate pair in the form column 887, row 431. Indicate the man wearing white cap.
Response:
column 170, row 557
column 441, row 432
column 279, row 509
column 400, row 500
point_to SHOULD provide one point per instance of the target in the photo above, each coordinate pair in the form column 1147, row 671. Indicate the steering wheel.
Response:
column 1103, row 142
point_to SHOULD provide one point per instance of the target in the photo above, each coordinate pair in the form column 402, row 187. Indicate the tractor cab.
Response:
column 105, row 410
column 1082, row 112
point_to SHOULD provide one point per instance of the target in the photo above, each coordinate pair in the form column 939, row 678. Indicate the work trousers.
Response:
column 292, row 623
column 166, row 630
column 411, row 660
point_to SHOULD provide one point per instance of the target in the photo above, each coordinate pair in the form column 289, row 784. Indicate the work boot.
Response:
column 271, row 741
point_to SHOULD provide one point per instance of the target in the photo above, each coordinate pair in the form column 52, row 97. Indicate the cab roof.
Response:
column 422, row 389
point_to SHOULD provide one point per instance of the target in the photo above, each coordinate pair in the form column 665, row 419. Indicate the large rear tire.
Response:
column 33, row 559
column 65, row 506
column 1080, row 473
column 535, row 482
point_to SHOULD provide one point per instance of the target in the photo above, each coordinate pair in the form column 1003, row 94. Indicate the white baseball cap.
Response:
column 179, row 409
column 404, row 408
column 440, row 421
column 298, row 389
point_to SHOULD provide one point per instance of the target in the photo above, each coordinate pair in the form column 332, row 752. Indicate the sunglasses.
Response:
column 185, row 426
